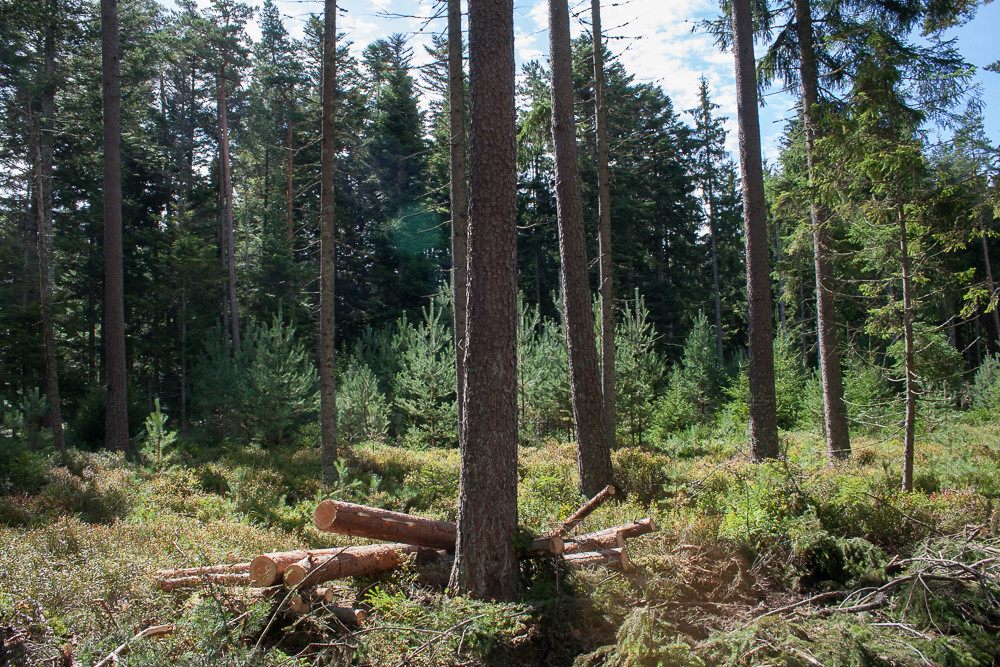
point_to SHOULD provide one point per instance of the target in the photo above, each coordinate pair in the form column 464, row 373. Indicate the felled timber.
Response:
column 226, row 568
column 268, row 569
column 197, row 581
column 599, row 541
column 574, row 519
column 334, row 516
column 615, row 559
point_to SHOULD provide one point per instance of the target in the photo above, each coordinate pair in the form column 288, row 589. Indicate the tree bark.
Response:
column 334, row 516
column 116, row 413
column 485, row 561
column 909, row 425
column 289, row 168
column 327, row 367
column 600, row 541
column 616, row 559
column 593, row 452
column 198, row 580
column 990, row 285
column 226, row 568
column 226, row 185
column 763, row 405
column 459, row 196
column 626, row 530
column 838, row 441
column 604, row 234
column 358, row 561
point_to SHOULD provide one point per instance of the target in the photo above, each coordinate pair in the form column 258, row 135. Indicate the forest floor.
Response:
column 795, row 562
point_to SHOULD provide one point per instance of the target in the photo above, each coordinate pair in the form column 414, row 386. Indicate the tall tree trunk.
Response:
column 604, row 233
column 593, row 452
column 113, row 332
column 838, row 440
column 763, row 408
column 43, row 188
column 459, row 197
column 327, row 368
column 709, row 200
column 226, row 185
column 781, row 282
column 43, row 181
column 184, row 379
column 289, row 168
column 485, row 559
column 990, row 285
column 909, row 425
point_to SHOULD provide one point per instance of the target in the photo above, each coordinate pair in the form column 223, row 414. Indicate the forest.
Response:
column 248, row 277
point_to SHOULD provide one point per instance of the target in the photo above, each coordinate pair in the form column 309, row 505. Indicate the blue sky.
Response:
column 656, row 43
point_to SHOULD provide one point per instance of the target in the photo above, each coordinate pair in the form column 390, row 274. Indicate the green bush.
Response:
column 638, row 372
column 362, row 410
column 543, row 394
column 791, row 381
column 984, row 394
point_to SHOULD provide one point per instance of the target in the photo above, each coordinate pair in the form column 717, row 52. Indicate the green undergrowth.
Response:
column 83, row 534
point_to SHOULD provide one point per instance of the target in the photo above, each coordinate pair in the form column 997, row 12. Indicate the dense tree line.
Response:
column 880, row 237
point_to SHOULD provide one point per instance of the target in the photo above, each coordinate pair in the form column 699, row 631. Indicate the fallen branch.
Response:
column 153, row 631
column 570, row 523
column 197, row 581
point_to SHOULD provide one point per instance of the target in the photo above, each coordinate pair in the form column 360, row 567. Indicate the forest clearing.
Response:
column 436, row 351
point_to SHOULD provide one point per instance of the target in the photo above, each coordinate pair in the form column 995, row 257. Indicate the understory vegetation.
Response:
column 792, row 562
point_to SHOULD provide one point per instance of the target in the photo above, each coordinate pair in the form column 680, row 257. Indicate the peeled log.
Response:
column 196, row 581
column 600, row 541
column 615, row 559
column 569, row 524
column 334, row 516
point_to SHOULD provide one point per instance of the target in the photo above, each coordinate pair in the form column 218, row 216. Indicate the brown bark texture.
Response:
column 227, row 568
column 616, row 559
column 910, row 421
column 593, row 451
column 226, row 194
column 327, row 368
column 606, row 262
column 113, row 332
column 838, row 440
column 459, row 195
column 763, row 403
column 358, row 561
column 335, row 516
column 199, row 580
column 485, row 561
column 600, row 541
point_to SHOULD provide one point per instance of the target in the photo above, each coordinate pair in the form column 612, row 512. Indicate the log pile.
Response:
column 303, row 573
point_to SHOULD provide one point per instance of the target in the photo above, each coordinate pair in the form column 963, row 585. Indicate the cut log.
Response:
column 600, row 541
column 334, row 516
column 544, row 546
column 615, row 559
column 329, row 596
column 569, row 524
column 192, row 581
column 226, row 568
column 358, row 561
column 626, row 530
column 268, row 569
column 296, row 573
column 298, row 604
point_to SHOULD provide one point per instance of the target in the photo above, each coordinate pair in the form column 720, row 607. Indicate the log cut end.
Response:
column 263, row 571
column 325, row 515
column 296, row 573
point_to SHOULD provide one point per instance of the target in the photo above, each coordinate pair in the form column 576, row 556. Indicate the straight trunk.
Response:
column 615, row 559
column 485, row 558
column 763, row 406
column 459, row 195
column 990, row 285
column 715, row 267
column 327, row 368
column 334, row 516
column 289, row 168
column 838, row 440
column 226, row 185
column 781, row 282
column 593, row 453
column 604, row 233
column 909, row 425
column 43, row 129
column 184, row 381
column 113, row 332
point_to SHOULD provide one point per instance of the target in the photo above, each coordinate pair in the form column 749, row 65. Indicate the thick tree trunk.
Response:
column 604, row 234
column 113, row 332
column 763, row 406
column 593, row 451
column 486, row 561
column 359, row 561
column 334, row 516
column 459, row 196
column 909, row 424
column 327, row 366
column 838, row 440
column 226, row 185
